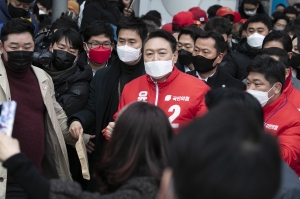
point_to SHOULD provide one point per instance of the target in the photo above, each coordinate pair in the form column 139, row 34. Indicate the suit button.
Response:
column 1, row 179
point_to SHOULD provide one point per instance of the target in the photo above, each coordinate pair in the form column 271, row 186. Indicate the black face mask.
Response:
column 295, row 60
column 19, row 60
column 202, row 64
column 62, row 60
column 185, row 57
column 16, row 12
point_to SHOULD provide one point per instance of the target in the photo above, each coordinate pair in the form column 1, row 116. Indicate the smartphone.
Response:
column 7, row 117
column 130, row 4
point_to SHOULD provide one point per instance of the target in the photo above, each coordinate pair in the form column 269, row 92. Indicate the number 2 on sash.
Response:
column 176, row 112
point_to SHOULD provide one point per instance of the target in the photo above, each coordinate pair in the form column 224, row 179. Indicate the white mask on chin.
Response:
column 128, row 54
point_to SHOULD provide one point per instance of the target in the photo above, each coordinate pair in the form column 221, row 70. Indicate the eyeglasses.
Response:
column 95, row 45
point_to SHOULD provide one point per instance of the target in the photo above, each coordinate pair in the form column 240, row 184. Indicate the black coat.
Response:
column 95, row 11
column 235, row 63
column 222, row 80
column 72, row 88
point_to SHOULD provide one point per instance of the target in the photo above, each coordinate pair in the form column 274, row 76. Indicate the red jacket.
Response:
column 292, row 94
column 282, row 120
column 181, row 96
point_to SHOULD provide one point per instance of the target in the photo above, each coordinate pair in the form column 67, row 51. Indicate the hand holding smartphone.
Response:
column 7, row 117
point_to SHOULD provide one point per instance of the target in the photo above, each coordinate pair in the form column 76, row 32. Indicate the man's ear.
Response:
column 84, row 46
column 278, row 87
column 287, row 72
column 166, row 190
column 51, row 48
column 175, row 57
column 220, row 57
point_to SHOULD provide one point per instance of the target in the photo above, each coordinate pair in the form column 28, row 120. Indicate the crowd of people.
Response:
column 206, row 106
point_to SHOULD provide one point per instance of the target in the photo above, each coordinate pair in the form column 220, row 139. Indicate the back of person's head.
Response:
column 220, row 43
column 133, row 23
column 265, row 19
column 212, row 10
column 283, row 38
column 162, row 34
column 138, row 147
column 278, row 54
column 192, row 31
column 290, row 10
column 64, row 22
column 98, row 28
column 219, row 24
column 151, row 18
column 273, row 71
column 234, row 160
column 154, row 13
column 216, row 97
column 16, row 26
column 70, row 36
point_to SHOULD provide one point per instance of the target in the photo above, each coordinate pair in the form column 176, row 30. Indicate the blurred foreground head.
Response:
column 226, row 154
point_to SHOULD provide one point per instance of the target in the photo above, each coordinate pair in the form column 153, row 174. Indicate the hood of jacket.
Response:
column 246, row 49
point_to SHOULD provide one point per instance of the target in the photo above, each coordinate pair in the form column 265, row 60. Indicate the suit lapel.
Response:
column 42, row 79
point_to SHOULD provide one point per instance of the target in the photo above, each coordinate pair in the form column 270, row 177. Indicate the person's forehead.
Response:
column 157, row 43
column 24, row 37
column 247, row 5
column 276, row 44
column 205, row 42
column 281, row 21
column 256, row 76
column 256, row 25
column 128, row 33
column 100, row 37
column 185, row 38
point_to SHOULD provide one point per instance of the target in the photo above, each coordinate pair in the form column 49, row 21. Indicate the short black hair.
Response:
column 297, row 5
column 219, row 24
column 151, row 18
column 220, row 43
column 279, row 36
column 192, row 31
column 133, row 23
column 216, row 97
column 212, row 10
column 98, row 28
column 70, row 35
column 265, row 19
column 290, row 10
column 227, row 160
column 162, row 34
column 273, row 71
column 279, row 15
column 280, row 53
column 154, row 13
column 15, row 26
column 64, row 22
column 280, row 4
column 293, row 27
column 45, row 3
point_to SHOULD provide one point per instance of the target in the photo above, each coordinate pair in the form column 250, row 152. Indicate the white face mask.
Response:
column 128, row 54
column 158, row 69
column 278, row 28
column 261, row 96
column 250, row 13
column 42, row 12
column 255, row 40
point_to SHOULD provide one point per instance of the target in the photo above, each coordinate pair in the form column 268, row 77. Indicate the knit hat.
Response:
column 199, row 14
column 183, row 19
column 73, row 6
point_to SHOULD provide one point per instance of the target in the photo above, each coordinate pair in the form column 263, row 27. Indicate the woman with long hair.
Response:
column 131, row 168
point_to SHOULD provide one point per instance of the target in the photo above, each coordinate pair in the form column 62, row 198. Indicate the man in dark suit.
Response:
column 208, row 54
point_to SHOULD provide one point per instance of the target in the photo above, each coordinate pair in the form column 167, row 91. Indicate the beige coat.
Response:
column 55, row 163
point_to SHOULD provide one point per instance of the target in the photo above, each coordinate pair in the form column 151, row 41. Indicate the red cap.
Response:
column 199, row 14
column 243, row 21
column 237, row 17
column 183, row 19
column 224, row 11
column 167, row 27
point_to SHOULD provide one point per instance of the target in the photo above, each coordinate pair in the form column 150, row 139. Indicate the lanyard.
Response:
column 286, row 100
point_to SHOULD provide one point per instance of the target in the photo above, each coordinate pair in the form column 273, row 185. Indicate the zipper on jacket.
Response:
column 156, row 95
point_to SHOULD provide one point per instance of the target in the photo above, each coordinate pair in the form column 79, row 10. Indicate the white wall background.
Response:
column 168, row 8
